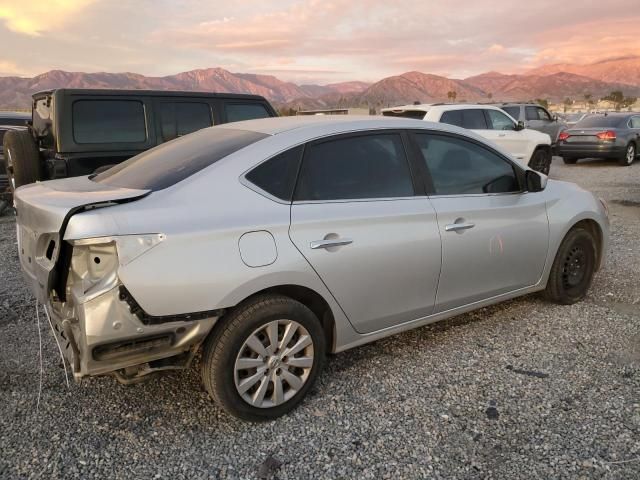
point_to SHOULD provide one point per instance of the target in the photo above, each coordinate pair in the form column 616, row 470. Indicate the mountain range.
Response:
column 552, row 82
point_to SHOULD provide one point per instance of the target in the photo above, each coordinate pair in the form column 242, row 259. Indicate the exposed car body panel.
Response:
column 43, row 210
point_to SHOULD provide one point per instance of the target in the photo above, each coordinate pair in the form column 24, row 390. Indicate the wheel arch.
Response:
column 310, row 298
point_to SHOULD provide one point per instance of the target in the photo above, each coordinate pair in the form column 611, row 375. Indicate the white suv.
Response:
column 529, row 147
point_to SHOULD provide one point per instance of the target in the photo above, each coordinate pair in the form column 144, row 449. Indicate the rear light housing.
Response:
column 563, row 136
column 606, row 135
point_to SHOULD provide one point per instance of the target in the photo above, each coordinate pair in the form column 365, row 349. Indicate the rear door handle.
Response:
column 455, row 227
column 334, row 242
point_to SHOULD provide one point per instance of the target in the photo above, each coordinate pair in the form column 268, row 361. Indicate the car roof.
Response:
column 144, row 93
column 320, row 125
column 425, row 107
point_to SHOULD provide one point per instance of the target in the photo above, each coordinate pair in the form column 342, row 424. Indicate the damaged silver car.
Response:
column 269, row 243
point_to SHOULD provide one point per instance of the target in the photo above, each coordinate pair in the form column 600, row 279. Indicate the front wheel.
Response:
column 573, row 268
column 629, row 155
column 260, row 363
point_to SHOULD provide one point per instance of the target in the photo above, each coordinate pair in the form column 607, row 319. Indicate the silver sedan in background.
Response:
column 270, row 243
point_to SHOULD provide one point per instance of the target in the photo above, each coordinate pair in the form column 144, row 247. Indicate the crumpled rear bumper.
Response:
column 102, row 335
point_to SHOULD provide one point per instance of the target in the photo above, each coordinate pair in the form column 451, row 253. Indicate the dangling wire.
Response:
column 40, row 355
column 64, row 364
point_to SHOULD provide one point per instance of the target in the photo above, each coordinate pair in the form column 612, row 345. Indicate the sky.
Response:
column 312, row 41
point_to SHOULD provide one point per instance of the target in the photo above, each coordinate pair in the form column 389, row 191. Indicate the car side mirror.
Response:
column 519, row 126
column 536, row 181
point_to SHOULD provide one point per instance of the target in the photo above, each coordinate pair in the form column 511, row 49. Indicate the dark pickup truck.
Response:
column 80, row 131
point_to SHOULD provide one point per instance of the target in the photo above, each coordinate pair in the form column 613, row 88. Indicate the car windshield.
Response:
column 415, row 114
column 598, row 121
column 174, row 161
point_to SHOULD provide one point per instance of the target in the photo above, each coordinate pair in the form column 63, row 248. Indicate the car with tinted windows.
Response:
column 267, row 244
column 535, row 117
column 528, row 146
column 610, row 136
column 82, row 131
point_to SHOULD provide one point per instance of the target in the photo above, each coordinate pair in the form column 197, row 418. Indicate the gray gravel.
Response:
column 525, row 389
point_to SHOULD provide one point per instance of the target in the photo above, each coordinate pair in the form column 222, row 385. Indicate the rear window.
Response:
column 174, row 161
column 596, row 121
column 414, row 114
column 237, row 112
column 181, row 118
column 14, row 122
column 109, row 121
column 513, row 111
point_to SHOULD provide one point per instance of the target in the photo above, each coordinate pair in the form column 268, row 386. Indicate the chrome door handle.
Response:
column 454, row 227
column 334, row 242
column 502, row 134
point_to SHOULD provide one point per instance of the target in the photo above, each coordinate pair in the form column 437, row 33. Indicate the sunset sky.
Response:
column 312, row 41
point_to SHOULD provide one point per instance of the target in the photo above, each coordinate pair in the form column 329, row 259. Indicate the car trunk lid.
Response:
column 43, row 211
column 587, row 135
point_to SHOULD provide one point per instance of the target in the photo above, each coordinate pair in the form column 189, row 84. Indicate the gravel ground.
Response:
column 525, row 389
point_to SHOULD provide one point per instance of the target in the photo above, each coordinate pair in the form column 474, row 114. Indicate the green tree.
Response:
column 619, row 100
column 489, row 96
column 451, row 95
column 567, row 103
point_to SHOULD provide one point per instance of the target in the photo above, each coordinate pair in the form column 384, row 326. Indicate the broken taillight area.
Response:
column 99, row 329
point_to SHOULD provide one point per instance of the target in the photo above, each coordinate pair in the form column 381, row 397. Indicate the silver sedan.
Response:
column 270, row 243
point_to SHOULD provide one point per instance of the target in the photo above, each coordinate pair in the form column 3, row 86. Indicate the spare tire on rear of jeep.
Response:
column 22, row 158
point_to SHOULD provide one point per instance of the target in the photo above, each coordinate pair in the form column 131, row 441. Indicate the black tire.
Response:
column 569, row 160
column 629, row 155
column 573, row 268
column 22, row 158
column 224, row 345
column 541, row 161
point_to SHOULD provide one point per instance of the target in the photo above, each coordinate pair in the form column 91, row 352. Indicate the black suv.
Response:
column 80, row 131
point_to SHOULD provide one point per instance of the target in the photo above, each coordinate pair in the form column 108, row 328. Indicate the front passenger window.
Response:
column 461, row 167
column 499, row 121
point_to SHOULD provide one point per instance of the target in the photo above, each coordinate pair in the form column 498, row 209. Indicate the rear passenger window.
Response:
column 460, row 167
column 181, row 118
column 513, row 111
column 531, row 113
column 474, row 120
column 237, row 112
column 109, row 121
column 277, row 176
column 362, row 167
column 452, row 117
column 465, row 118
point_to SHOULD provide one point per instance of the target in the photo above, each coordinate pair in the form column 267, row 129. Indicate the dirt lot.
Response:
column 522, row 390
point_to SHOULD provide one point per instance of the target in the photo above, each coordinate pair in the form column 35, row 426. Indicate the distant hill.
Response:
column 552, row 82
column 623, row 70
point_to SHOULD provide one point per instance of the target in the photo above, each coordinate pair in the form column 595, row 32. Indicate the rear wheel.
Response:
column 260, row 363
column 569, row 160
column 541, row 161
column 629, row 155
column 573, row 268
column 22, row 158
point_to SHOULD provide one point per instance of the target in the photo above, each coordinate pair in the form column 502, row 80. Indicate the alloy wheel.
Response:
column 273, row 363
column 631, row 154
